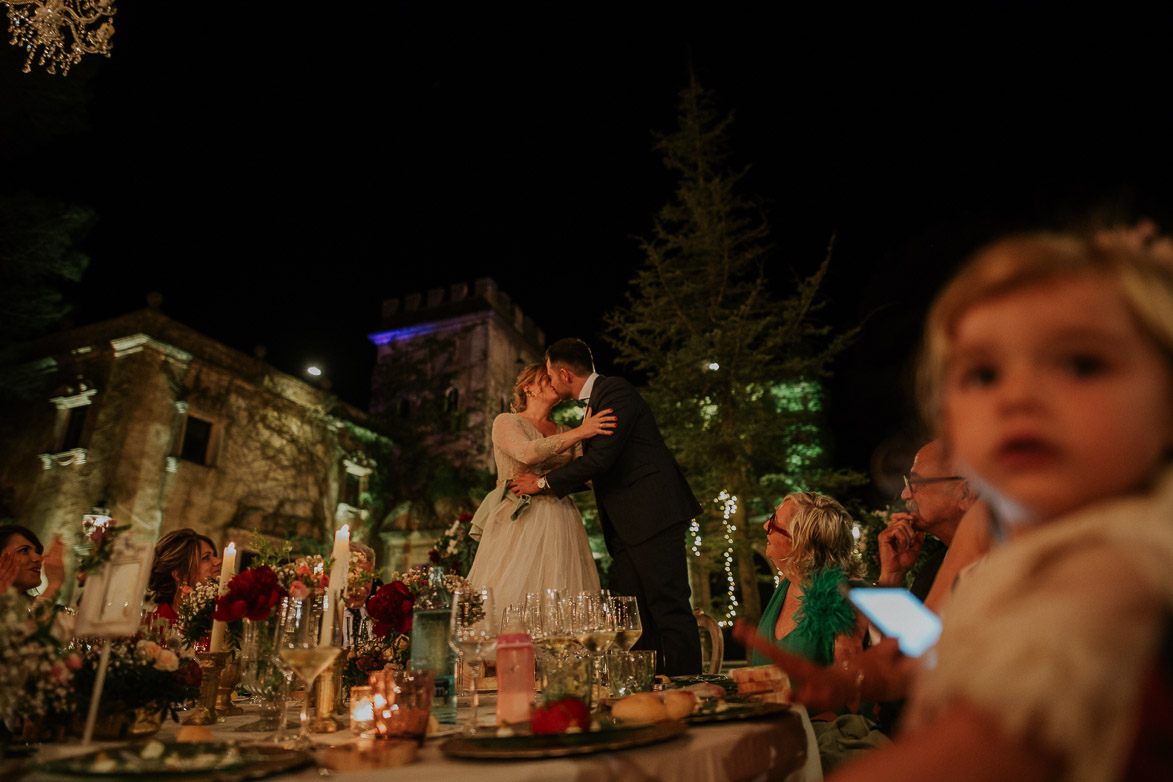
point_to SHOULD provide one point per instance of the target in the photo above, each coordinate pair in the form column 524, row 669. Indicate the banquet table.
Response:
column 777, row 748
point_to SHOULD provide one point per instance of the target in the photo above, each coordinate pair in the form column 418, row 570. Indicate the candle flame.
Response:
column 230, row 548
column 345, row 529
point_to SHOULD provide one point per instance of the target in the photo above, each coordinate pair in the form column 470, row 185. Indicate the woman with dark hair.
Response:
column 22, row 557
column 183, row 557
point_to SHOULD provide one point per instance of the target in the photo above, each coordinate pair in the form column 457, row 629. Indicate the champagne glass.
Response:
column 308, row 641
column 473, row 635
column 557, row 622
column 594, row 627
column 627, row 625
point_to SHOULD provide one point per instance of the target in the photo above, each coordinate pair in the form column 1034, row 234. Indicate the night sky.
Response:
column 276, row 179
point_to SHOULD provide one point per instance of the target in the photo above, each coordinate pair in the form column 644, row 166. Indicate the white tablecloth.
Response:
column 782, row 748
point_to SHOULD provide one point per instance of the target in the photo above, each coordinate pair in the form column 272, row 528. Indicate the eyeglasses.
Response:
column 911, row 483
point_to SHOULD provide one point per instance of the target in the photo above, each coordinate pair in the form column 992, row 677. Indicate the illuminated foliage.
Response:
column 733, row 363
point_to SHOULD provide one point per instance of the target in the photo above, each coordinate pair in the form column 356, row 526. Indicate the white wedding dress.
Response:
column 546, row 545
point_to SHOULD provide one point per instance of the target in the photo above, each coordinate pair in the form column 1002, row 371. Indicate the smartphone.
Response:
column 899, row 614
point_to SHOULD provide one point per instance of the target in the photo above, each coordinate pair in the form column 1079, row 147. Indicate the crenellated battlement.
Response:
column 457, row 299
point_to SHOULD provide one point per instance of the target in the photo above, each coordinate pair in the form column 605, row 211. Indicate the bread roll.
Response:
column 192, row 733
column 679, row 703
column 640, row 707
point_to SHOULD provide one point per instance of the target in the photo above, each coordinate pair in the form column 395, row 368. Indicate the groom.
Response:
column 645, row 504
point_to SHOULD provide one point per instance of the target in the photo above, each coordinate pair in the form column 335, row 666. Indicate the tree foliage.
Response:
column 733, row 369
column 39, row 259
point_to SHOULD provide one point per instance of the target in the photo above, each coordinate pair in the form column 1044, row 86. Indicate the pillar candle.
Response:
column 338, row 573
column 227, row 571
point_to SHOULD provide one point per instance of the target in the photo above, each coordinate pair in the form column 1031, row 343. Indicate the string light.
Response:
column 728, row 510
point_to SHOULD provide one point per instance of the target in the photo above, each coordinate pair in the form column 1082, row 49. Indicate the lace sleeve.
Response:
column 516, row 438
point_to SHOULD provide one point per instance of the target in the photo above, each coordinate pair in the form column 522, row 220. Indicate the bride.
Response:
column 540, row 545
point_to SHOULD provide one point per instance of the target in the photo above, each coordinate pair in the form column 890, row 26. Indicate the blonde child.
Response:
column 1048, row 369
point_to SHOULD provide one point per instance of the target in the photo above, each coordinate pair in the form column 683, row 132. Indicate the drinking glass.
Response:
column 308, row 641
column 627, row 625
column 594, row 627
column 473, row 635
column 557, row 618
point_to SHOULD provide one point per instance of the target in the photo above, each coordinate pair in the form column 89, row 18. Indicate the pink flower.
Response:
column 167, row 660
column 323, row 580
column 73, row 661
column 298, row 590
column 303, row 570
column 59, row 673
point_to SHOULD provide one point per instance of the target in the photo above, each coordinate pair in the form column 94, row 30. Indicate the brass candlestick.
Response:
column 211, row 664
column 229, row 678
column 324, row 703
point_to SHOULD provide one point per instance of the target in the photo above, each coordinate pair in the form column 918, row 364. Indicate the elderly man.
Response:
column 936, row 498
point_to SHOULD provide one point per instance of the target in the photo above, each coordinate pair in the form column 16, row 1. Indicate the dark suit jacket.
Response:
column 638, row 484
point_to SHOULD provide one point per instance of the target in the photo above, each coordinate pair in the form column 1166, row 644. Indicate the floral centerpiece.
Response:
column 455, row 549
column 96, row 544
column 389, row 646
column 36, row 679
column 145, row 678
column 252, row 594
column 194, row 615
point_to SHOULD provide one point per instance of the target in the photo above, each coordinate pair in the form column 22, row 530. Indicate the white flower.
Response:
column 148, row 649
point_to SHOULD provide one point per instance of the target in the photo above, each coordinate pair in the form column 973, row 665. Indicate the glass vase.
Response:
column 260, row 675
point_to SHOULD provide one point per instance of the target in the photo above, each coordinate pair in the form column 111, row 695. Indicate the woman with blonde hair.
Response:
column 537, row 542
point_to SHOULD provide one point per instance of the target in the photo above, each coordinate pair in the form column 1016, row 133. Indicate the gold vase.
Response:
column 229, row 678
column 118, row 724
column 211, row 664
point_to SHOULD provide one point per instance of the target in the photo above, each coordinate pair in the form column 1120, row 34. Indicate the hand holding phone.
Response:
column 899, row 614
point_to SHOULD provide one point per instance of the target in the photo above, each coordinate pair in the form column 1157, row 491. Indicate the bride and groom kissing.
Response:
column 644, row 502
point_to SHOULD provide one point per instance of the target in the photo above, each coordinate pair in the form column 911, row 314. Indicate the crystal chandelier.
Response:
column 60, row 30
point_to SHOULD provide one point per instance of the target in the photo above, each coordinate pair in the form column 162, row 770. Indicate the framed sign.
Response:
column 113, row 598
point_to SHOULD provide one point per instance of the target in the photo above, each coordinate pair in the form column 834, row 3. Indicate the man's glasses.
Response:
column 911, row 483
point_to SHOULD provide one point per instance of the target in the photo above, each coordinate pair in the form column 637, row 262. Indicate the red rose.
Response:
column 251, row 595
column 391, row 607
column 465, row 517
column 190, row 674
column 556, row 717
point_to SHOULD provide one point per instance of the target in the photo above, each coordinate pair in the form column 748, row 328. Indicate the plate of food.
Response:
column 724, row 710
column 523, row 744
column 224, row 760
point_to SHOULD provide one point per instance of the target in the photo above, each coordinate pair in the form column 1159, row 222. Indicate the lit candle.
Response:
column 227, row 571
column 362, row 711
column 341, row 555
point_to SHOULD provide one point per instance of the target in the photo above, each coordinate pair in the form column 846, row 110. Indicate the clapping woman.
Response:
column 22, row 558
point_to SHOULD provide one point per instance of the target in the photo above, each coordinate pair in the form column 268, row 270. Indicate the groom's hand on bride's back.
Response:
column 524, row 483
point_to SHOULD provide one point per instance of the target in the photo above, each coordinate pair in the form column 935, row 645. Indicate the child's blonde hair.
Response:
column 1145, row 286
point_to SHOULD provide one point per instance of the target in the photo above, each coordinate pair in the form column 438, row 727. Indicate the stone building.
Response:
column 471, row 343
column 167, row 428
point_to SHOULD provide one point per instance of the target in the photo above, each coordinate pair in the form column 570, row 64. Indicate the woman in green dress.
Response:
column 810, row 538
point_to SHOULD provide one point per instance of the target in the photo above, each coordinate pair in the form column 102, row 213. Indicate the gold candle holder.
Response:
column 211, row 664
column 229, row 678
column 323, row 693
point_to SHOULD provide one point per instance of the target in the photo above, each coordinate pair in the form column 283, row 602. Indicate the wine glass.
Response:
column 627, row 625
column 557, row 622
column 473, row 635
column 594, row 627
column 308, row 641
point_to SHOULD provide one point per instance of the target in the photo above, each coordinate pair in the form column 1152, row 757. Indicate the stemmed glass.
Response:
column 627, row 625
column 594, row 627
column 557, row 614
column 309, row 639
column 473, row 635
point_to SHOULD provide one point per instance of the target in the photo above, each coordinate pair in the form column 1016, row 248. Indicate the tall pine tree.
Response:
column 733, row 369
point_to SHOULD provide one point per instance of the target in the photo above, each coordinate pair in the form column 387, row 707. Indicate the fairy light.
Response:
column 729, row 510
column 694, row 529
